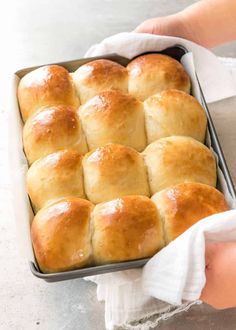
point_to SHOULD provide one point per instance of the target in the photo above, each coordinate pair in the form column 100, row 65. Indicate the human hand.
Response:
column 220, row 287
column 208, row 23
column 169, row 25
column 174, row 25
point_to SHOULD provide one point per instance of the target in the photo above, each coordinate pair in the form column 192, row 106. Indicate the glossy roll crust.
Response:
column 179, row 159
column 97, row 76
column 181, row 206
column 113, row 116
column 125, row 229
column 61, row 235
column 173, row 112
column 153, row 73
column 113, row 171
column 46, row 86
column 122, row 112
column 53, row 129
column 55, row 176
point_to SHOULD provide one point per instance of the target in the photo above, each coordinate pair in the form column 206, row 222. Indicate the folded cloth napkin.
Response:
column 172, row 280
column 216, row 81
column 127, row 306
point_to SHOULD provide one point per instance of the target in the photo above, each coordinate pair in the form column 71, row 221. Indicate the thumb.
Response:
column 171, row 25
column 149, row 26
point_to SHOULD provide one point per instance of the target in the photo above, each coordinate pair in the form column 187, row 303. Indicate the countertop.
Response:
column 43, row 32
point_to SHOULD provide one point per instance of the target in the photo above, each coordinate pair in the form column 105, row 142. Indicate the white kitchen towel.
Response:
column 216, row 81
column 177, row 272
column 126, row 305
column 175, row 276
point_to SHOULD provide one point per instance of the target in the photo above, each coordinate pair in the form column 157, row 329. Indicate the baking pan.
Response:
column 176, row 52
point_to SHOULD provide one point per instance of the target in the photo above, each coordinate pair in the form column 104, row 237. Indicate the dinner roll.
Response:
column 152, row 73
column 126, row 228
column 97, row 76
column 52, row 129
column 113, row 116
column 46, row 86
column 183, row 205
column 61, row 235
column 113, row 171
column 55, row 176
column 173, row 112
column 179, row 159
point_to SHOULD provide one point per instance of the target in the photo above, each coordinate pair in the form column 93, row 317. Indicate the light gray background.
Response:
column 47, row 31
column 44, row 31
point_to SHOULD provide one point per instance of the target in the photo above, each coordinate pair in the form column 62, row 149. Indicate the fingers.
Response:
column 148, row 26
column 220, row 287
column 168, row 25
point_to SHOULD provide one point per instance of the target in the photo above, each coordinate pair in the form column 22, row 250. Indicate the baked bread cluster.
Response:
column 118, row 167
column 74, row 233
column 116, row 170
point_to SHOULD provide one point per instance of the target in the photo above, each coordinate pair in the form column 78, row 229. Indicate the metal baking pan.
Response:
column 176, row 52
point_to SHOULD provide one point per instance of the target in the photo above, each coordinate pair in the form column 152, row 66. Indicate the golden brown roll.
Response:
column 113, row 171
column 153, row 73
column 113, row 116
column 97, row 76
column 179, row 159
column 125, row 229
column 61, row 235
column 46, row 86
column 183, row 205
column 55, row 176
column 52, row 129
column 173, row 112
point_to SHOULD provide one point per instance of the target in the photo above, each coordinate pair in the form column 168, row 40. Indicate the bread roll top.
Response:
column 49, row 85
column 113, row 117
column 113, row 171
column 98, row 76
column 61, row 235
column 178, row 159
column 53, row 129
column 181, row 206
column 126, row 228
column 55, row 176
column 152, row 73
column 173, row 112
